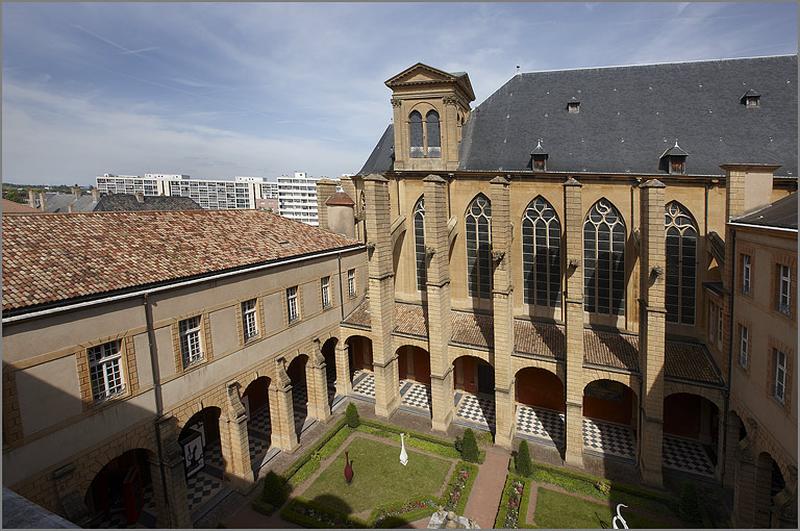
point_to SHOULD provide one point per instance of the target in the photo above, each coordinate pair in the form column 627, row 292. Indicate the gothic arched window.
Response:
column 604, row 260
column 415, row 135
column 681, row 236
column 479, row 251
column 433, row 136
column 541, row 254
column 419, row 243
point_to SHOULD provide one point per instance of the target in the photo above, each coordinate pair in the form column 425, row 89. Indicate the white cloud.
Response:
column 44, row 132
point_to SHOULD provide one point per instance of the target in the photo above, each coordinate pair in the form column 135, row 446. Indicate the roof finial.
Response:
column 676, row 142
column 517, row 70
column 539, row 144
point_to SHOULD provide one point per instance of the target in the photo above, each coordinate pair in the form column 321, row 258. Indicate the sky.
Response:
column 216, row 90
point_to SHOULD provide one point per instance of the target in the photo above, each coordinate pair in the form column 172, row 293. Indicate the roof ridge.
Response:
column 758, row 209
column 658, row 63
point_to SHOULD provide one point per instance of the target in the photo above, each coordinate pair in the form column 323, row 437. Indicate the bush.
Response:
column 523, row 460
column 469, row 447
column 603, row 486
column 351, row 414
column 688, row 508
column 275, row 491
column 260, row 506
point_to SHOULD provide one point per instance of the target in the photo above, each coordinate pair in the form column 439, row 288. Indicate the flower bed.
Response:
column 455, row 498
column 514, row 504
column 308, row 514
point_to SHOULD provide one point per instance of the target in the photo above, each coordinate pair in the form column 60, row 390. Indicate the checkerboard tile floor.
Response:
column 608, row 438
column 686, row 455
column 212, row 456
column 540, row 423
column 364, row 383
column 259, row 423
column 117, row 519
column 475, row 409
column 201, row 488
column 415, row 394
column 300, row 403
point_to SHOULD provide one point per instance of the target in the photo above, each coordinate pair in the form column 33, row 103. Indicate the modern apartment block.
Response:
column 241, row 193
column 297, row 197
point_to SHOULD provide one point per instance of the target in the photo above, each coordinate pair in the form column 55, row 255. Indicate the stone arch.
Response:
column 540, row 387
column 123, row 484
column 89, row 468
column 605, row 234
column 328, row 351
column 610, row 400
column 473, row 374
column 359, row 352
column 769, row 482
column 414, row 363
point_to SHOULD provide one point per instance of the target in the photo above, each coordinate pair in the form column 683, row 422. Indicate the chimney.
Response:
column 31, row 198
column 42, row 202
column 76, row 191
column 95, row 194
column 139, row 197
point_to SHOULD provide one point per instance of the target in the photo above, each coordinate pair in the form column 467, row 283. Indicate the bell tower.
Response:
column 430, row 108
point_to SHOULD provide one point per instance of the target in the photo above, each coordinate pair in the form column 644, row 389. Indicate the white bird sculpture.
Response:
column 619, row 519
column 403, row 453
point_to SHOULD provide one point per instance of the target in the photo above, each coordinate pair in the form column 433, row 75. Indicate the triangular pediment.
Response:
column 420, row 73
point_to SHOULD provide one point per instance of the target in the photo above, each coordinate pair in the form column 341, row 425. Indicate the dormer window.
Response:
column 751, row 99
column 539, row 157
column 673, row 160
column 574, row 107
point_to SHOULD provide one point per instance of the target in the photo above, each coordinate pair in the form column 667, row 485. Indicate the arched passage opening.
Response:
column 414, row 368
column 541, row 406
column 259, row 422
column 359, row 353
column 121, row 494
column 297, row 374
column 769, row 482
column 202, row 457
column 473, row 384
column 691, row 434
column 609, row 413
column 329, row 354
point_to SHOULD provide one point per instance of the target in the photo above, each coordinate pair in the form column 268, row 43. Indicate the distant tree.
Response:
column 469, row 447
column 351, row 414
column 523, row 460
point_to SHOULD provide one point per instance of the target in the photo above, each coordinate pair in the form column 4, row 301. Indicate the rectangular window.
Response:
column 291, row 304
column 326, row 291
column 351, row 282
column 105, row 370
column 191, row 349
column 744, row 346
column 780, row 375
column 249, row 322
column 746, row 268
column 784, row 289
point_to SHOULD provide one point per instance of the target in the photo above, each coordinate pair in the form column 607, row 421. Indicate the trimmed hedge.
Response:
column 414, row 439
column 309, row 514
column 522, row 508
column 461, row 503
column 260, row 506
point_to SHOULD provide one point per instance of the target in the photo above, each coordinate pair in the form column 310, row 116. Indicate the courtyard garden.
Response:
column 550, row 497
column 383, row 492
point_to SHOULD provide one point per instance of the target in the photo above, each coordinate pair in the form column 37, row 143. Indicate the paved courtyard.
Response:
column 686, row 455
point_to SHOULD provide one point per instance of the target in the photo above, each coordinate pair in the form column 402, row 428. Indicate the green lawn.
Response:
column 378, row 478
column 562, row 511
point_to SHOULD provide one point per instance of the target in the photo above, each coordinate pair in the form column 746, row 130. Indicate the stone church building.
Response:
column 554, row 265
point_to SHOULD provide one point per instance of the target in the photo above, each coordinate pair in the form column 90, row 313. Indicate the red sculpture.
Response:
column 348, row 468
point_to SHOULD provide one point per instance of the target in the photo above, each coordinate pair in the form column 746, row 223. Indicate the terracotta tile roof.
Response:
column 690, row 361
column 49, row 258
column 539, row 339
column 360, row 316
column 12, row 207
column 339, row 199
column 684, row 361
column 410, row 319
column 473, row 329
column 611, row 349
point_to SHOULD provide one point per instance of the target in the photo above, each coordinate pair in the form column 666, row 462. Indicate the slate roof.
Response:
column 630, row 115
column 129, row 203
column 781, row 214
column 12, row 207
column 51, row 258
column 382, row 157
column 58, row 202
column 610, row 349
